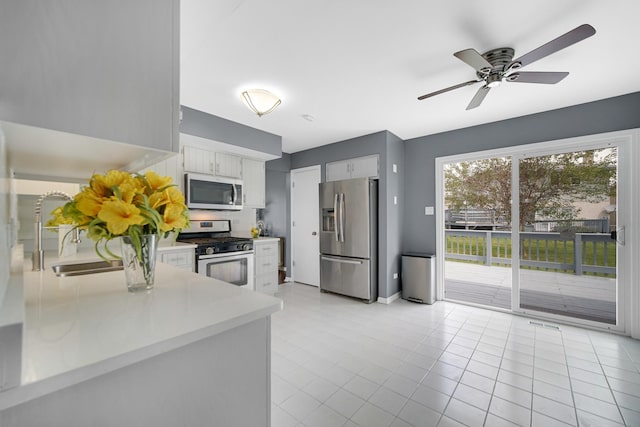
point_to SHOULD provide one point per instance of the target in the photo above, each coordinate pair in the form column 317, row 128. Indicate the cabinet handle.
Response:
column 266, row 265
column 266, row 284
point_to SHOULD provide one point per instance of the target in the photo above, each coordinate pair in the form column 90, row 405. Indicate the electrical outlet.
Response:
column 395, row 168
column 395, row 275
column 428, row 210
column 395, row 200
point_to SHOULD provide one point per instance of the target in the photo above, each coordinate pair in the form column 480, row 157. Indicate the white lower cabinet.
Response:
column 266, row 253
column 177, row 256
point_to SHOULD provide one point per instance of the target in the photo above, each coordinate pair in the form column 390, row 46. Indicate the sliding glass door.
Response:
column 568, row 219
column 478, row 231
column 538, row 229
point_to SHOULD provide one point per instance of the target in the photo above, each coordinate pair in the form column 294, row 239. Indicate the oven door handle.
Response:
column 230, row 256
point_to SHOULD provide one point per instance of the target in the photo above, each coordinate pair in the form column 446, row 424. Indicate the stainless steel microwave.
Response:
column 212, row 192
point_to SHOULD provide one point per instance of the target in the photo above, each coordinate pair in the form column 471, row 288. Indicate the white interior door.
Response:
column 305, row 249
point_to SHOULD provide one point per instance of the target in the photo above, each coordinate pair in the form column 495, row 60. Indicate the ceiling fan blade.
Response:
column 537, row 77
column 438, row 92
column 574, row 36
column 478, row 97
column 473, row 58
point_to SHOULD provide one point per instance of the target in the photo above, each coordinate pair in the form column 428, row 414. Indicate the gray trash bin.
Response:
column 418, row 277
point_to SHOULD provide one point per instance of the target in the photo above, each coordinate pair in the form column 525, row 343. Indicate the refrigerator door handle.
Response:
column 342, row 217
column 336, row 226
column 341, row 260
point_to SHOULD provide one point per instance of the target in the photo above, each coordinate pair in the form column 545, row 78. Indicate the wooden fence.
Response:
column 583, row 253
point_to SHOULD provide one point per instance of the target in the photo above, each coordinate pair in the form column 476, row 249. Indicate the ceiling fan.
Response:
column 497, row 65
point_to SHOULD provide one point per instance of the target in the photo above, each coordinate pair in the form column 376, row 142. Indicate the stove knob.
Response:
column 245, row 247
column 209, row 250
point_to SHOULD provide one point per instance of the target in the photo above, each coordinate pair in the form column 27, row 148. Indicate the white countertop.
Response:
column 80, row 327
column 169, row 245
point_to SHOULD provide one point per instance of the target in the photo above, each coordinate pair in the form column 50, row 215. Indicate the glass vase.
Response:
column 139, row 263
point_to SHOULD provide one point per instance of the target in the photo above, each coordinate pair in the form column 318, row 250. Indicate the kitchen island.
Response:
column 193, row 352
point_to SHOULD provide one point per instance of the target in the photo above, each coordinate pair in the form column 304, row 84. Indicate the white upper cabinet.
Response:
column 253, row 178
column 359, row 167
column 364, row 167
column 104, row 69
column 336, row 171
column 198, row 160
column 201, row 160
column 228, row 165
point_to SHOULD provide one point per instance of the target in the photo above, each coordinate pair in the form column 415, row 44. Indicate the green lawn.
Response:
column 535, row 250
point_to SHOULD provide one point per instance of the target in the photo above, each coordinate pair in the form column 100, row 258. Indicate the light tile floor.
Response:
column 339, row 362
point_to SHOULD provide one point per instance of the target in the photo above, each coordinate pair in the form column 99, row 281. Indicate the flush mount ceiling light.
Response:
column 260, row 101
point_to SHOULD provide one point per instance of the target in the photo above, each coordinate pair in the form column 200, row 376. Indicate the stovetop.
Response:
column 212, row 240
column 213, row 237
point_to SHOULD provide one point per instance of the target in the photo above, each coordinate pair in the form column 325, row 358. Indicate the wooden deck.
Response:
column 582, row 297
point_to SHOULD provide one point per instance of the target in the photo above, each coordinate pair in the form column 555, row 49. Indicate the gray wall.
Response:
column 205, row 125
column 389, row 147
column 607, row 115
column 394, row 218
column 277, row 211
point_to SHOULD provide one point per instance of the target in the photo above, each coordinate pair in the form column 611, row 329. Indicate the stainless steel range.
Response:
column 220, row 255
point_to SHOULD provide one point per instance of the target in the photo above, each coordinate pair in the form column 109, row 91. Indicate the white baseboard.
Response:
column 389, row 300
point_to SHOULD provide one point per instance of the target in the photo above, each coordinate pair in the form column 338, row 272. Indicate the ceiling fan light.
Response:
column 260, row 101
column 494, row 80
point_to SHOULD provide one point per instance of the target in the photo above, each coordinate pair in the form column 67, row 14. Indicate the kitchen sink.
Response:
column 86, row 267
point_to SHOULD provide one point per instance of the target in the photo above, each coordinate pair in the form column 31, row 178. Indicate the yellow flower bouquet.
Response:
column 120, row 204
column 57, row 218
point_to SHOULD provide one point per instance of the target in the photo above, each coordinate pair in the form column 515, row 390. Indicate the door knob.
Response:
column 313, row 233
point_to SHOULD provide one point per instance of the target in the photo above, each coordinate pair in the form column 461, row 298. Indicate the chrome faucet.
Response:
column 38, row 253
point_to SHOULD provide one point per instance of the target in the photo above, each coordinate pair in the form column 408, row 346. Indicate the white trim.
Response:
column 629, row 202
column 543, row 147
column 389, row 300
column 308, row 168
column 515, row 225
column 633, row 238
column 440, row 237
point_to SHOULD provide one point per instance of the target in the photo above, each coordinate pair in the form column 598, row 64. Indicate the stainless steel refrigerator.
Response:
column 349, row 238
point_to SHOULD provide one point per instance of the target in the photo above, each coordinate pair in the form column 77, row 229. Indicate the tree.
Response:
column 549, row 185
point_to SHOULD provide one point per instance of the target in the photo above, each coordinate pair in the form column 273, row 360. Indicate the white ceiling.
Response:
column 357, row 66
